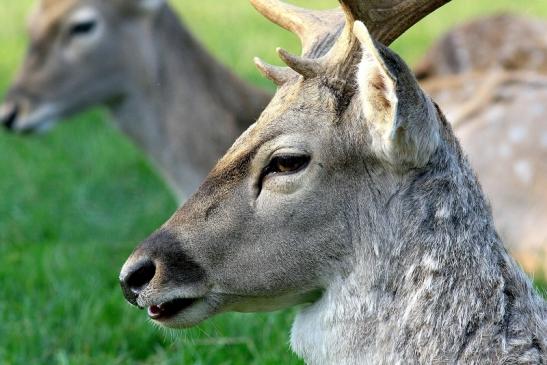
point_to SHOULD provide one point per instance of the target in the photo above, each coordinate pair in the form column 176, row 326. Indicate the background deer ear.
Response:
column 402, row 120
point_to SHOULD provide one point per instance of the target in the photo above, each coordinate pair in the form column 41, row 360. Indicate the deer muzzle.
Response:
column 161, row 277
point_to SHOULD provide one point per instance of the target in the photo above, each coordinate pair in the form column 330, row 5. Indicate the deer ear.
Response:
column 401, row 118
column 376, row 84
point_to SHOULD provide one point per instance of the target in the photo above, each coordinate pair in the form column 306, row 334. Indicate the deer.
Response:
column 351, row 196
column 164, row 90
column 490, row 77
column 500, row 41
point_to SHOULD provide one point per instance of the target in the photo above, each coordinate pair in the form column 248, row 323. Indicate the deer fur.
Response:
column 490, row 77
column 350, row 195
column 170, row 96
column 501, row 41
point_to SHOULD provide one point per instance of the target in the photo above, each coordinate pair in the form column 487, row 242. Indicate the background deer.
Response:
column 489, row 76
column 350, row 193
column 135, row 57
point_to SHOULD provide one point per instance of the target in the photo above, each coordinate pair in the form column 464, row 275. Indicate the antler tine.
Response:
column 279, row 75
column 307, row 67
column 285, row 15
column 317, row 30
column 386, row 20
column 306, row 24
column 344, row 43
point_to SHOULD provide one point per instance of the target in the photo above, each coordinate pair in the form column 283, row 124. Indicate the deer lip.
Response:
column 170, row 309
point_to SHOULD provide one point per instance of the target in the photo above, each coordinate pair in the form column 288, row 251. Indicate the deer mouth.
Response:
column 170, row 309
column 38, row 121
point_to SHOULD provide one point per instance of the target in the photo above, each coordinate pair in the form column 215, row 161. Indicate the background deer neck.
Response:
column 182, row 106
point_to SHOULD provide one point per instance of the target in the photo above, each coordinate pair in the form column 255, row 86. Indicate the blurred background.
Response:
column 74, row 202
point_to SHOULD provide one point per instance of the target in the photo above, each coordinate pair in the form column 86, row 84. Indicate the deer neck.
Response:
column 182, row 107
column 426, row 265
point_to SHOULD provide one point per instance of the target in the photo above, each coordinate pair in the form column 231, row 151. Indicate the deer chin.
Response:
column 176, row 310
column 181, row 312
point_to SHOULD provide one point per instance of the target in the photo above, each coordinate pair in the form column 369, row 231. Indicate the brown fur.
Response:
column 378, row 83
column 48, row 15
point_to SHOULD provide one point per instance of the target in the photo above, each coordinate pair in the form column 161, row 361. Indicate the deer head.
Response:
column 80, row 55
column 308, row 185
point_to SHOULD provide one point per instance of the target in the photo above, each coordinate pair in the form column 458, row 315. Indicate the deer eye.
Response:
column 286, row 164
column 82, row 28
column 283, row 164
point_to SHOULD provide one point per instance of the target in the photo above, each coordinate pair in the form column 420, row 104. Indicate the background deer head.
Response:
column 165, row 91
column 80, row 55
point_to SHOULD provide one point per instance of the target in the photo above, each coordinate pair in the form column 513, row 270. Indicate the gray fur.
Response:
column 395, row 254
column 488, row 76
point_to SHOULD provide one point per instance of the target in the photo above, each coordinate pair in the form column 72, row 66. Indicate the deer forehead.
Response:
column 48, row 14
column 312, row 95
column 297, row 110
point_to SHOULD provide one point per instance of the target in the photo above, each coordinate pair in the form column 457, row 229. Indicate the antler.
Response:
column 316, row 29
column 386, row 20
column 311, row 26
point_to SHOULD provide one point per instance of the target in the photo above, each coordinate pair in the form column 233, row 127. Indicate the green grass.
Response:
column 74, row 203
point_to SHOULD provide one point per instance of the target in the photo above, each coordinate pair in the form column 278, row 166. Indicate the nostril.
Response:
column 137, row 280
column 8, row 115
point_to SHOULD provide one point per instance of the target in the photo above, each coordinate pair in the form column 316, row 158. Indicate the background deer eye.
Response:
column 82, row 28
column 287, row 164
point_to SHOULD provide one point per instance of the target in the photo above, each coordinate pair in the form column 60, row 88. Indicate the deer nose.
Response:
column 136, row 278
column 8, row 115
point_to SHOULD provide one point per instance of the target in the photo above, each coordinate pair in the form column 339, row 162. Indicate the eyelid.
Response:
column 288, row 151
column 84, row 15
column 278, row 155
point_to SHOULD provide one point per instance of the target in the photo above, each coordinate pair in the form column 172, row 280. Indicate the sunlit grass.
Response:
column 76, row 201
